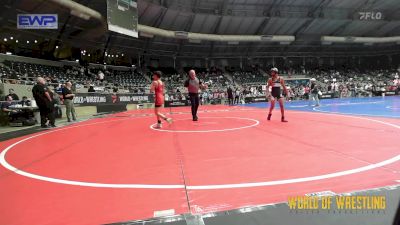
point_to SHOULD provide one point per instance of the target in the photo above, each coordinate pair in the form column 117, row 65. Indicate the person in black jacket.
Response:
column 230, row 95
column 45, row 103
column 12, row 94
column 91, row 88
column 25, row 101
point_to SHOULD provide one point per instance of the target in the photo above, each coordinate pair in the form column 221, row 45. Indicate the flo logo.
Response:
column 370, row 15
column 37, row 21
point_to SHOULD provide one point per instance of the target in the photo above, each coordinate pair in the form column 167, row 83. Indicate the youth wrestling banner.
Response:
column 386, row 93
column 326, row 95
column 94, row 99
column 176, row 103
column 390, row 93
column 255, row 99
column 122, row 17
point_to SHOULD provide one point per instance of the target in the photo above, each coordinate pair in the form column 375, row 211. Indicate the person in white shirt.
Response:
column 237, row 96
column 396, row 80
column 205, row 96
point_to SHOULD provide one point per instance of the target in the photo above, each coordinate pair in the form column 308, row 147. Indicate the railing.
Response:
column 32, row 80
column 24, row 81
column 81, row 88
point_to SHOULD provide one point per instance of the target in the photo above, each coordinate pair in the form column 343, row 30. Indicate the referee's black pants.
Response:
column 194, row 101
column 46, row 112
column 230, row 100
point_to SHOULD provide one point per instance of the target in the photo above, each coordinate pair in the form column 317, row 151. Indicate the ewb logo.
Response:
column 37, row 21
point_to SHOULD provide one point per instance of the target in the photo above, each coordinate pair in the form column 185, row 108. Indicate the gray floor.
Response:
column 7, row 132
column 7, row 129
column 280, row 214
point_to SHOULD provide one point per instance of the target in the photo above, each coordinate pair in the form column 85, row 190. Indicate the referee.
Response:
column 193, row 84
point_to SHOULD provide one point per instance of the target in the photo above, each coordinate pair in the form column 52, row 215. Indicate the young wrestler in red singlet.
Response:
column 157, row 87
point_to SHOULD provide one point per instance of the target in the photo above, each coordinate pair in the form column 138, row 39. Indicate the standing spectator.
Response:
column 205, row 98
column 12, row 94
column 82, row 70
column 302, row 92
column 57, row 105
column 352, row 89
column 396, row 80
column 115, row 88
column 91, row 88
column 201, row 98
column 68, row 97
column 45, row 103
column 307, row 92
column 396, row 83
column 329, row 88
column 314, row 92
column 230, row 95
column 335, row 88
column 344, row 92
column 237, row 96
column 100, row 76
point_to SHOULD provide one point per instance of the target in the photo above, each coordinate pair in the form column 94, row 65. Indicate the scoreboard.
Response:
column 122, row 17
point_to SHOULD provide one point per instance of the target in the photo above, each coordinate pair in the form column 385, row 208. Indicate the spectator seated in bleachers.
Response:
column 25, row 101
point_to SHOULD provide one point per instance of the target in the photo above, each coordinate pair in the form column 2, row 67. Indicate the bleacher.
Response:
column 17, row 72
column 129, row 79
column 126, row 80
column 248, row 77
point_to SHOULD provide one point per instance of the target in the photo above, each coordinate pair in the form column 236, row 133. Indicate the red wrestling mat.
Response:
column 119, row 168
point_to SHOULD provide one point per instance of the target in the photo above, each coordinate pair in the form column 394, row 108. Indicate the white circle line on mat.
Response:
column 4, row 163
column 352, row 114
column 256, row 122
column 391, row 107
